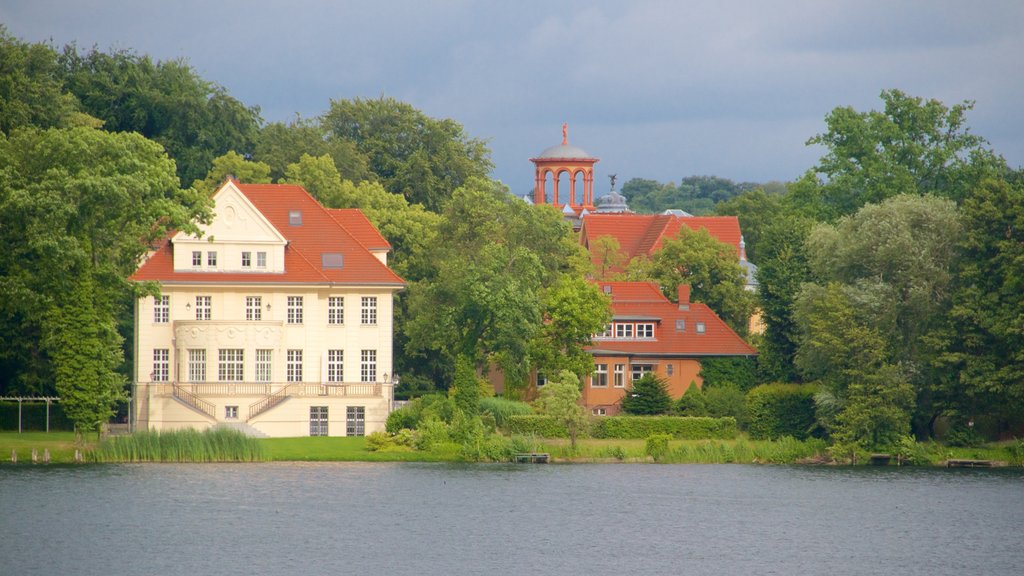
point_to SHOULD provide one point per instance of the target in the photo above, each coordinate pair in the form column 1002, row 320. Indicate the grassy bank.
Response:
column 143, row 448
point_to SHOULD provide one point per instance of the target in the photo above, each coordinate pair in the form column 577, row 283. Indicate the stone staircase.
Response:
column 243, row 428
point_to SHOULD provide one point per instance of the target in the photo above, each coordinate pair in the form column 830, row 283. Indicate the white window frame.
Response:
column 355, row 421
column 197, row 259
column 161, row 309
column 211, row 259
column 231, row 412
column 368, row 366
column 294, row 365
column 197, row 365
column 336, row 310
column 645, row 330
column 335, row 365
column 295, row 304
column 261, row 259
column 253, row 308
column 230, row 365
column 204, row 307
column 700, row 328
column 368, row 315
column 620, row 376
column 623, row 330
column 264, row 364
column 599, row 379
column 637, row 371
column 246, row 259
column 161, row 365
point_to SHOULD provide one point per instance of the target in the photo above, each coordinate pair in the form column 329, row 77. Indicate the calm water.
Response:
column 435, row 519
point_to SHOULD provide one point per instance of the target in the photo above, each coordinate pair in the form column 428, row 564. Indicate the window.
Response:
column 680, row 325
column 231, row 412
column 197, row 365
column 197, row 258
column 700, row 328
column 295, row 217
column 332, row 260
column 607, row 332
column 620, row 376
column 318, row 420
column 623, row 330
column 161, row 365
column 335, row 366
column 355, row 421
column 668, row 369
column 294, row 366
column 599, row 412
column 211, row 259
column 600, row 377
column 246, row 259
column 203, row 307
column 261, row 259
column 336, row 310
column 263, row 365
column 295, row 309
column 541, row 380
column 162, row 309
column 639, row 370
column 254, row 308
column 368, row 366
column 645, row 330
column 369, row 315
column 230, row 365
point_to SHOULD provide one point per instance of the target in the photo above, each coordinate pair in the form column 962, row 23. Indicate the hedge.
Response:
column 536, row 425
column 681, row 427
column 777, row 410
column 629, row 427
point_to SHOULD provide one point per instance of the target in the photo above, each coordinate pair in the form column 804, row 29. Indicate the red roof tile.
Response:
column 322, row 231
column 359, row 226
column 643, row 300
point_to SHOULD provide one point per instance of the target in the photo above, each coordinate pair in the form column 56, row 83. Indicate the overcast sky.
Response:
column 655, row 89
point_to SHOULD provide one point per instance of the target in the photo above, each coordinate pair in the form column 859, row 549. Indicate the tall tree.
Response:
column 74, row 202
column 560, row 399
column 279, row 145
column 756, row 210
column 31, row 87
column 709, row 266
column 912, row 146
column 573, row 310
column 422, row 158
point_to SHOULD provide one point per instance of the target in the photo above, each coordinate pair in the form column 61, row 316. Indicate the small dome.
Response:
column 612, row 202
column 564, row 151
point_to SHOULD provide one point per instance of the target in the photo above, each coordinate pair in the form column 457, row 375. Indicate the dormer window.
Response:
column 332, row 260
column 295, row 217
column 261, row 259
column 700, row 328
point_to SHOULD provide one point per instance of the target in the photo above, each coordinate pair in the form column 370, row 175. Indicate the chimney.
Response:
column 684, row 296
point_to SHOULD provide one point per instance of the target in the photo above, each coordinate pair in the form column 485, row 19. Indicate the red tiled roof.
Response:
column 322, row 231
column 359, row 226
column 644, row 234
column 634, row 300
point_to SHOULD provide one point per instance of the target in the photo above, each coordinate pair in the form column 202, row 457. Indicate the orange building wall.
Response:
column 684, row 371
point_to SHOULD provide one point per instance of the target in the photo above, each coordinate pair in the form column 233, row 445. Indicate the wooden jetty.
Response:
column 957, row 463
column 531, row 458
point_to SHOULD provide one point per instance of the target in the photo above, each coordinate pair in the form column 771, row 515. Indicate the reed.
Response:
column 214, row 445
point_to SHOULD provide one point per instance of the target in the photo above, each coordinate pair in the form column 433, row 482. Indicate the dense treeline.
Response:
column 890, row 273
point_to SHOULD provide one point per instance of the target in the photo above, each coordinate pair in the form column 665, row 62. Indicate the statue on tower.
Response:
column 612, row 177
column 565, row 133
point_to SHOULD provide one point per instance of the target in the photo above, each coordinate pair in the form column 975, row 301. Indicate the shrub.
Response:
column 692, row 402
column 502, row 408
column 726, row 400
column 648, row 396
column 536, row 425
column 776, row 410
column 431, row 433
column 684, row 427
column 738, row 372
column 656, row 446
column 437, row 406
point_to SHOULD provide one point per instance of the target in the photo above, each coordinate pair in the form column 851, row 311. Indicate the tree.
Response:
column 560, row 399
column 466, row 387
column 984, row 336
column 573, row 311
column 692, row 402
column 912, row 146
column 756, row 210
column 86, row 352
column 76, row 202
column 31, row 88
column 609, row 257
column 279, row 145
column 232, row 165
column 709, row 266
column 647, row 396
column 168, row 102
column 422, row 158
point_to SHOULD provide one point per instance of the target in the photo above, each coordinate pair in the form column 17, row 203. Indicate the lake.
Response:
column 443, row 519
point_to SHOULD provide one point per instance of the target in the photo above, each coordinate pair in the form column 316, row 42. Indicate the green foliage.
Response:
column 502, row 408
column 188, row 445
column 31, row 89
column 677, row 427
column 279, row 145
column 465, row 390
column 232, row 165
column 736, row 371
column 777, row 410
column 695, row 194
column 692, row 402
column 33, row 416
column 539, row 425
column 756, row 210
column 560, row 399
column 431, row 406
column 421, row 158
column 574, row 309
column 725, row 400
column 656, row 446
column 647, row 396
column 962, row 435
column 709, row 266
column 913, row 146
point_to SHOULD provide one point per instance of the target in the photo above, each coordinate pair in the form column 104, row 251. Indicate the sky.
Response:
column 655, row 89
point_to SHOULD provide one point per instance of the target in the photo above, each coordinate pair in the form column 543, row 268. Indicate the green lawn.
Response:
column 60, row 444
